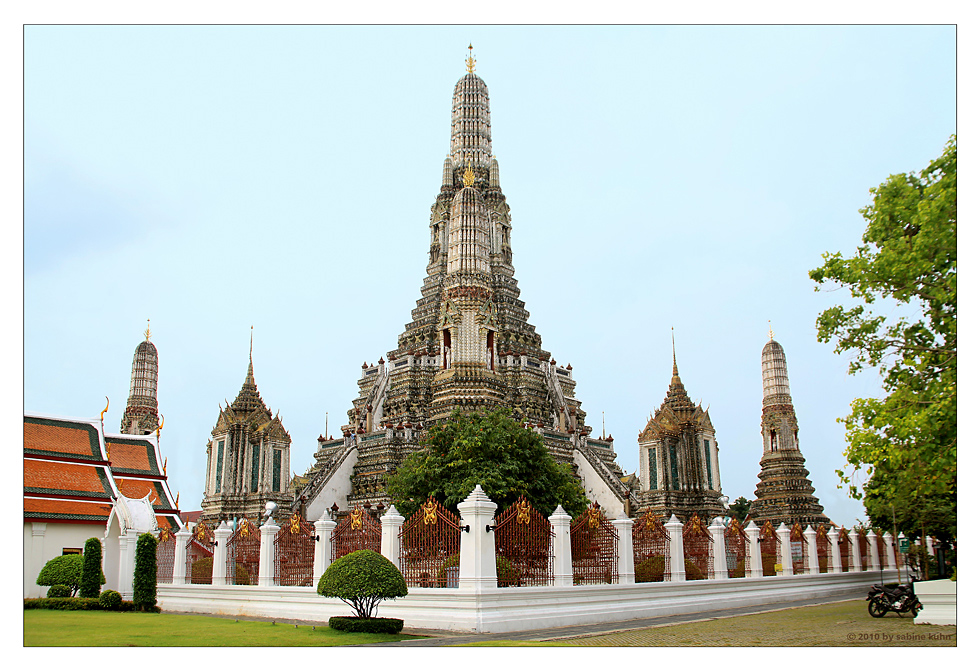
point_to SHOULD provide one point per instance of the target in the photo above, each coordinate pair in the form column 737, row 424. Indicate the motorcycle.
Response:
column 901, row 599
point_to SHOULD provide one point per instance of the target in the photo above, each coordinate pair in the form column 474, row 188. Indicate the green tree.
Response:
column 64, row 570
column 362, row 580
column 92, row 579
column 145, row 572
column 906, row 268
column 493, row 451
column 740, row 508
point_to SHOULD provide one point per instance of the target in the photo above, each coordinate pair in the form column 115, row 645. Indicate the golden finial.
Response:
column 470, row 61
column 469, row 177
column 177, row 501
column 770, row 329
column 164, row 465
column 102, row 414
column 147, row 331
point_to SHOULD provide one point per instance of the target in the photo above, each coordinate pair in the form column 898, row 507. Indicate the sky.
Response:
column 275, row 182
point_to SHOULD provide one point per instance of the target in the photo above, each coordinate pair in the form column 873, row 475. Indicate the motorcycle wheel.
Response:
column 877, row 608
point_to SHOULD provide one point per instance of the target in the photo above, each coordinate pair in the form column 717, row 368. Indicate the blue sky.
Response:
column 215, row 178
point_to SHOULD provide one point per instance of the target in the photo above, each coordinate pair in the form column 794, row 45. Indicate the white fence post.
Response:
column 127, row 562
column 181, row 538
column 219, row 563
column 561, row 523
column 855, row 549
column 624, row 529
column 752, row 550
column 477, row 552
column 391, row 526
column 324, row 546
column 719, row 557
column 890, row 550
column 785, row 552
column 267, row 553
column 676, row 530
column 811, row 550
column 834, row 537
column 875, row 563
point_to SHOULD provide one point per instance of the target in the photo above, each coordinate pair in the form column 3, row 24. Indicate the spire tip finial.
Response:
column 673, row 349
column 470, row 61
column 770, row 329
column 147, row 331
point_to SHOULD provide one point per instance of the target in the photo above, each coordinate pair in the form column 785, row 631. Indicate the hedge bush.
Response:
column 367, row 625
column 651, row 569
column 110, row 599
column 362, row 579
column 59, row 591
column 92, row 578
column 63, row 570
column 77, row 603
column 145, row 573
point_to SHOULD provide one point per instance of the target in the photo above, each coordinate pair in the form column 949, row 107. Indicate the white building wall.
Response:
column 335, row 490
column 596, row 488
column 39, row 549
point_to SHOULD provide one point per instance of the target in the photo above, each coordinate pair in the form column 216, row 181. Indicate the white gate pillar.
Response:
column 855, row 549
column 624, row 530
column 931, row 550
column 785, row 552
column 181, row 538
column 391, row 526
column 267, row 553
column 834, row 537
column 219, row 565
column 127, row 562
column 875, row 563
column 561, row 524
column 477, row 552
column 752, row 550
column 38, row 530
column 323, row 548
column 890, row 550
column 676, row 530
column 811, row 550
column 719, row 556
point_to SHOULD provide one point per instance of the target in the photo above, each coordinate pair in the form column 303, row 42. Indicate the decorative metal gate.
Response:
column 844, row 543
column 824, row 551
column 200, row 555
column 357, row 531
column 798, row 550
column 595, row 548
column 243, row 554
column 524, row 542
column 735, row 556
column 429, row 554
column 769, row 548
column 882, row 548
column 166, row 549
column 863, row 551
column 698, row 560
column 293, row 547
column 651, row 549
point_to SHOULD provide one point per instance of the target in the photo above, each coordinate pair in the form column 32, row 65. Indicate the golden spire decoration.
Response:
column 469, row 177
column 770, row 329
column 470, row 61
column 147, row 331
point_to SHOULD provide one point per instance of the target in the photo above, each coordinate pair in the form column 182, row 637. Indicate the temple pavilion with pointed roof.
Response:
column 679, row 470
column 469, row 344
column 248, row 459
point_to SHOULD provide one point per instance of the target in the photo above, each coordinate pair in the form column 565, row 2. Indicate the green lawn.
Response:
column 96, row 628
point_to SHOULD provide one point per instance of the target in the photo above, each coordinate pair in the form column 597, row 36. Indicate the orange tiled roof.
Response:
column 132, row 455
column 66, row 510
column 61, row 438
column 137, row 489
column 50, row 477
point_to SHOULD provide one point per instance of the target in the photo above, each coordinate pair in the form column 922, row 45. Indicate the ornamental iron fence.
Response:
column 358, row 530
column 293, row 551
column 769, row 544
column 200, row 555
column 166, row 549
column 864, row 551
column 798, row 550
column 651, row 549
column 735, row 547
column 242, row 567
column 698, row 555
column 824, row 549
column 882, row 548
column 429, row 555
column 524, row 543
column 595, row 548
column 844, row 543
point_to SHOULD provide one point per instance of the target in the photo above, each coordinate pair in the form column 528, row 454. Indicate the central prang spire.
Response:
column 470, row 139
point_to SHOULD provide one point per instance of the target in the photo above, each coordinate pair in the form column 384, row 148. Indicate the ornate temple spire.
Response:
column 470, row 139
column 140, row 416
column 775, row 379
column 677, row 397
column 248, row 398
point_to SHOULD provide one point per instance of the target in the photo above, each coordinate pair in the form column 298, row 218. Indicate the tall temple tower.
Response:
column 679, row 458
column 469, row 344
column 248, row 459
column 141, row 414
column 784, row 493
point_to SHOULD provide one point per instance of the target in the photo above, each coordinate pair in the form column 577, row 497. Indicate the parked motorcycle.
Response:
column 900, row 599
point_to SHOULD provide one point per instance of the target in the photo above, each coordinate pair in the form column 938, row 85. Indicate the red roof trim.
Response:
column 62, row 520
column 67, row 460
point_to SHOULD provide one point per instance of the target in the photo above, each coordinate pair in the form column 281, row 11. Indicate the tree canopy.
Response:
column 740, row 508
column 904, row 277
column 491, row 450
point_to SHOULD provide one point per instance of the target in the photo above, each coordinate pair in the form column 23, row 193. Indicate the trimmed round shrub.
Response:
column 92, row 578
column 362, row 580
column 58, row 591
column 693, row 571
column 650, row 569
column 64, row 570
column 369, row 625
column 110, row 599
column 145, row 573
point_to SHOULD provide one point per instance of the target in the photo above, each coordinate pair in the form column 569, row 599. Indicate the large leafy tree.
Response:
column 740, row 508
column 491, row 450
column 904, row 279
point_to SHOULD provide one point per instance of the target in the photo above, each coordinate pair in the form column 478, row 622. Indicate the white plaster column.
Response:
column 855, row 549
column 834, row 537
column 323, row 548
column 624, row 529
column 561, row 523
column 719, row 558
column 220, row 563
column 890, row 550
column 38, row 529
column 182, row 537
column 785, row 552
column 127, row 562
column 752, row 551
column 267, row 553
column 931, row 550
column 676, row 531
column 391, row 526
column 477, row 552
column 811, row 550
column 875, row 561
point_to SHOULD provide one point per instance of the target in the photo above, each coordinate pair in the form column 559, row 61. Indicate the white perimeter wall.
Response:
column 522, row 608
column 39, row 550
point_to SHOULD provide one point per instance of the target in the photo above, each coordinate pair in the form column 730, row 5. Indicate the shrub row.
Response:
column 108, row 600
column 369, row 625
